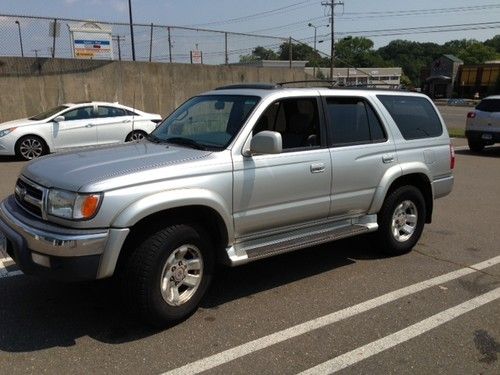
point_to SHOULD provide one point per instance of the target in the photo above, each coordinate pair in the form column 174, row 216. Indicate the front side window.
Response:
column 206, row 122
column 81, row 113
column 296, row 119
column 353, row 121
column 415, row 116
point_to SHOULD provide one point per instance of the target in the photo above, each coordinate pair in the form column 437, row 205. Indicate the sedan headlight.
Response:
column 4, row 132
column 73, row 206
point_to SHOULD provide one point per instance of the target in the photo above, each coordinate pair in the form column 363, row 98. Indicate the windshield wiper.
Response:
column 186, row 142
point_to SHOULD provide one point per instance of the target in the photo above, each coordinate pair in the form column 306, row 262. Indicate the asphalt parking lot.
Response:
column 337, row 307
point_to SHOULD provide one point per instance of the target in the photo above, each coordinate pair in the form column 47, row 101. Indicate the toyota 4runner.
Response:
column 233, row 175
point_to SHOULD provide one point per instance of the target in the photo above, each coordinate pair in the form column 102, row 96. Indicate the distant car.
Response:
column 483, row 124
column 74, row 125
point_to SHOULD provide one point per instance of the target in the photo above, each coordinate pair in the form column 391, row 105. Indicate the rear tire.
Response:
column 136, row 135
column 475, row 146
column 401, row 220
column 166, row 276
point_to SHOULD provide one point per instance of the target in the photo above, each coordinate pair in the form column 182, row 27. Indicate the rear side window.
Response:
column 489, row 105
column 353, row 121
column 415, row 116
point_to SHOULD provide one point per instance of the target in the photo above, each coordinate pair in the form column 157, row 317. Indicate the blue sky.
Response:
column 359, row 16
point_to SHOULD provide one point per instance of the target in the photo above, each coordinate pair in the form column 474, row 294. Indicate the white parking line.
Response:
column 387, row 342
column 226, row 356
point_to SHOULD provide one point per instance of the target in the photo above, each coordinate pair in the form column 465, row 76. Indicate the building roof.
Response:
column 453, row 58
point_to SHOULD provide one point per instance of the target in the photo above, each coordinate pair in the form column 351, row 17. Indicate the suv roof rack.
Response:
column 258, row 86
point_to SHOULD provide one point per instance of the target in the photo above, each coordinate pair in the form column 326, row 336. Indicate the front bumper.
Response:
column 56, row 252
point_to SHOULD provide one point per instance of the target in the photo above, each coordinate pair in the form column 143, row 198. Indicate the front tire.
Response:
column 167, row 275
column 30, row 147
column 401, row 220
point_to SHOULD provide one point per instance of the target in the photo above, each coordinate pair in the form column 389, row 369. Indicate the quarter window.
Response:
column 353, row 121
column 415, row 116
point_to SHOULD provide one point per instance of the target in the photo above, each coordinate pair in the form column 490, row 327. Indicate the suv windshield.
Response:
column 206, row 122
column 48, row 113
column 489, row 105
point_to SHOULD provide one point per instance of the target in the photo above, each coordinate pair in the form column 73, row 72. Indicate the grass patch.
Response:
column 456, row 133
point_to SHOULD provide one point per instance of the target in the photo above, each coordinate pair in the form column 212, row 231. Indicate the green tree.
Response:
column 476, row 53
column 494, row 43
column 259, row 53
column 357, row 52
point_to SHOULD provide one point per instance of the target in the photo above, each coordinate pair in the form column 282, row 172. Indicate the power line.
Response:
column 249, row 17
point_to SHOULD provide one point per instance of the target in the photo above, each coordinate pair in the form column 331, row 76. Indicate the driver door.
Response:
column 77, row 129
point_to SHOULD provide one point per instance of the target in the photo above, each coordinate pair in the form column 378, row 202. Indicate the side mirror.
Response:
column 59, row 119
column 266, row 142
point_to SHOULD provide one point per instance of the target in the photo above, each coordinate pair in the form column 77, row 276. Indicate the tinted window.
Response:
column 296, row 119
column 353, row 121
column 414, row 116
column 79, row 114
column 110, row 112
column 489, row 105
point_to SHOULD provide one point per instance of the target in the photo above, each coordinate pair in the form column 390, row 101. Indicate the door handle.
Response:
column 89, row 125
column 125, row 121
column 317, row 168
column 388, row 158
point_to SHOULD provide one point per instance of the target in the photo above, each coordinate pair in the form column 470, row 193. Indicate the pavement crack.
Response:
column 461, row 265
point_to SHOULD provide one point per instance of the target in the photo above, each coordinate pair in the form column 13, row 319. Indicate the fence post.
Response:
column 169, row 45
column 225, row 49
column 290, row 51
column 54, row 30
column 151, row 42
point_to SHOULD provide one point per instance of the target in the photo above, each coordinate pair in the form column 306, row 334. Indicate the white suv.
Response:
column 483, row 124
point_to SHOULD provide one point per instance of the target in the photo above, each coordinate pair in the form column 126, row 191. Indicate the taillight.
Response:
column 452, row 157
column 471, row 114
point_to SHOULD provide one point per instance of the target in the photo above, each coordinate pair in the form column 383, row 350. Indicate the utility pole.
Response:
column 332, row 4
column 131, row 29
column 315, row 49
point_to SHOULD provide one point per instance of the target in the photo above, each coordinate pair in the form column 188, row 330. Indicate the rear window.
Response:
column 415, row 116
column 489, row 105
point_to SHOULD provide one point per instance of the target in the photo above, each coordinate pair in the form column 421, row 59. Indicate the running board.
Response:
column 283, row 243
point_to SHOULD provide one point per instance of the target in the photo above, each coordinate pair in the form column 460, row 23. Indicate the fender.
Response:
column 391, row 175
column 174, row 199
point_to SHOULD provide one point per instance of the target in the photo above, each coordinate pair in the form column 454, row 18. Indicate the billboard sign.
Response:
column 90, row 40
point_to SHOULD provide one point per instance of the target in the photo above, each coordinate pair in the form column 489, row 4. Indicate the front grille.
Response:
column 30, row 197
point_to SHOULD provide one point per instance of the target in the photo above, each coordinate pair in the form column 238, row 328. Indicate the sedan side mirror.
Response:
column 59, row 119
column 266, row 142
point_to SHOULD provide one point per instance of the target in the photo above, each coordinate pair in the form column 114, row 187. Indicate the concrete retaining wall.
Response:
column 29, row 85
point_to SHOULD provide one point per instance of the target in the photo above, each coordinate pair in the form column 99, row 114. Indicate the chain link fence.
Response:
column 35, row 37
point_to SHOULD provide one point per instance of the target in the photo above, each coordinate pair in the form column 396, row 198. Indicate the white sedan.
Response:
column 74, row 125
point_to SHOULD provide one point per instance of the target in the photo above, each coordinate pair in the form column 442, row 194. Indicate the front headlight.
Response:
column 73, row 206
column 3, row 133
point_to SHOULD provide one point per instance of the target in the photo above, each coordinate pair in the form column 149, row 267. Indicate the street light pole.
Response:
column 131, row 29
column 20, row 38
column 315, row 49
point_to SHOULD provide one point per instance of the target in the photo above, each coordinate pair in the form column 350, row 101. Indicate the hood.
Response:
column 74, row 170
column 18, row 123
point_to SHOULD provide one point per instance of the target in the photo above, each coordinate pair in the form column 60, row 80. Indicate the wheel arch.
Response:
column 420, row 180
column 31, row 134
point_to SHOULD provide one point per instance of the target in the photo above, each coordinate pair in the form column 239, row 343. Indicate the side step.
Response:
column 278, row 244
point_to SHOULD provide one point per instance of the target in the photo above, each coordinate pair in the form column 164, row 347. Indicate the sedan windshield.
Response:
column 48, row 113
column 206, row 122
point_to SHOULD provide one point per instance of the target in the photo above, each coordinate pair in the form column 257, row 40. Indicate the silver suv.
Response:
column 233, row 175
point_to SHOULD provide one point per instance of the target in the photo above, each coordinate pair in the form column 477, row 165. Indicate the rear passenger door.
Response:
column 361, row 150
column 113, row 124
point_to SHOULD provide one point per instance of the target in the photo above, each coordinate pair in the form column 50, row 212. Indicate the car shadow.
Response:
column 488, row 152
column 10, row 159
column 39, row 314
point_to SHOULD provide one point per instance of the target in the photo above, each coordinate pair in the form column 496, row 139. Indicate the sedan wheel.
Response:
column 30, row 147
column 135, row 136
